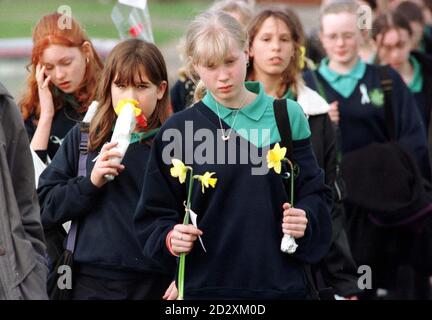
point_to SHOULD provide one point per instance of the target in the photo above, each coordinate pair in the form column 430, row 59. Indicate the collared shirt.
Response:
column 138, row 136
column 256, row 121
column 416, row 83
column 344, row 84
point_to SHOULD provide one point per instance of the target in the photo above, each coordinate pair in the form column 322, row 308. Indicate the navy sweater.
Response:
column 106, row 243
column 241, row 218
column 362, row 124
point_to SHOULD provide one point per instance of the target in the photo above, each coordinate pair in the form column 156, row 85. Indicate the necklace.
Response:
column 224, row 136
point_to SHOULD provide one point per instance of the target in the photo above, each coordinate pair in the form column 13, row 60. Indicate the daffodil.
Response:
column 302, row 57
column 140, row 118
column 275, row 157
column 179, row 170
column 207, row 180
column 123, row 102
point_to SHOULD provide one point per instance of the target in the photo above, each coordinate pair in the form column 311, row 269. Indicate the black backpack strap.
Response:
column 283, row 124
column 284, row 128
column 387, row 87
column 82, row 171
column 429, row 138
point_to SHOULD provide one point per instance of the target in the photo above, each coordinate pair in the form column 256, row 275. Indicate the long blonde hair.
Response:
column 208, row 41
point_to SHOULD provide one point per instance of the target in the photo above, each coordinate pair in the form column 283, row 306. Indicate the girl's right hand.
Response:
column 183, row 238
column 334, row 112
column 104, row 165
column 45, row 96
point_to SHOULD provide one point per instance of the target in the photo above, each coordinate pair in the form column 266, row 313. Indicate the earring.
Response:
column 87, row 60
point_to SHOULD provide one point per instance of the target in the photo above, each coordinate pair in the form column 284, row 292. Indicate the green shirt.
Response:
column 256, row 121
column 416, row 83
column 344, row 84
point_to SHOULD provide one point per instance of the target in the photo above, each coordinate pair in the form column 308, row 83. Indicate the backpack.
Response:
column 384, row 178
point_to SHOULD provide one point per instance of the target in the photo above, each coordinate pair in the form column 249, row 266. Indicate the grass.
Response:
column 169, row 18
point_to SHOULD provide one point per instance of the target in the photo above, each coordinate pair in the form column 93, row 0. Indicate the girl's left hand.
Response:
column 294, row 221
column 171, row 293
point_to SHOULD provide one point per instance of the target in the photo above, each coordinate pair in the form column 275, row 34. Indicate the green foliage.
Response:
column 169, row 18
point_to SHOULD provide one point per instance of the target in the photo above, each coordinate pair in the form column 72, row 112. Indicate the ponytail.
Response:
column 200, row 91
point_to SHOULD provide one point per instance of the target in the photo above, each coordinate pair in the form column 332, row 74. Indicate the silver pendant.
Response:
column 224, row 138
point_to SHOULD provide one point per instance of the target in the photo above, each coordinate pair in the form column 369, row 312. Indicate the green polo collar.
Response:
column 253, row 110
column 357, row 72
column 416, row 83
column 343, row 83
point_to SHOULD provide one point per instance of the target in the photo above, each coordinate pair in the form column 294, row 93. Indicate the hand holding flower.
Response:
column 105, row 165
column 294, row 221
column 275, row 157
column 183, row 238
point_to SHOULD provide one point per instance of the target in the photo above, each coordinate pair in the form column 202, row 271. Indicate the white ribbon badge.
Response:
column 365, row 96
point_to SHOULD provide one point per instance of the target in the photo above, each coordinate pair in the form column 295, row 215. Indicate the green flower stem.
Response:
column 181, row 271
column 188, row 202
column 292, row 181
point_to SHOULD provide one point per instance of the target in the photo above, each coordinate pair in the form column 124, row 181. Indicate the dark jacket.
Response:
column 23, row 268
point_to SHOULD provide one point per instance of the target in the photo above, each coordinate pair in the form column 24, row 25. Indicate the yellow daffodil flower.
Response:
column 302, row 57
column 275, row 156
column 124, row 102
column 178, row 170
column 207, row 180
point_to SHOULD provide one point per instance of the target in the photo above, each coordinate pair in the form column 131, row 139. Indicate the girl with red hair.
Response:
column 64, row 69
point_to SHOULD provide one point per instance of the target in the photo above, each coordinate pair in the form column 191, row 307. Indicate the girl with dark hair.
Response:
column 108, row 260
column 275, row 61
